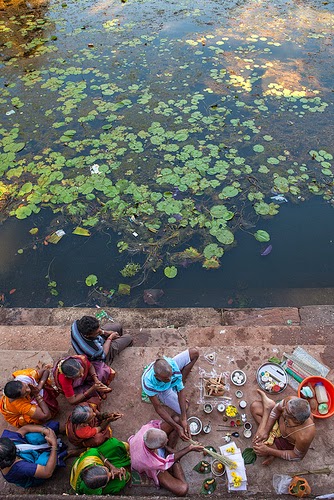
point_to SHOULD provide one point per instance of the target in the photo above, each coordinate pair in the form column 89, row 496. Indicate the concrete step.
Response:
column 126, row 398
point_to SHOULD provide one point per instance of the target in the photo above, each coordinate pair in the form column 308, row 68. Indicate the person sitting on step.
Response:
column 29, row 398
column 286, row 429
column 87, row 337
column 152, row 452
column 87, row 427
column 29, row 457
column 163, row 382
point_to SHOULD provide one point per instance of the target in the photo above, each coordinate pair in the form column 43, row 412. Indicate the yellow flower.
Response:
column 231, row 449
column 237, row 480
column 231, row 411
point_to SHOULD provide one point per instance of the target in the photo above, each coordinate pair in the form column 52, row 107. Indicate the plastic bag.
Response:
column 281, row 483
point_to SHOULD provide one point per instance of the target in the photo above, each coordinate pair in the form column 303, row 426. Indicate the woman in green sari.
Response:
column 102, row 470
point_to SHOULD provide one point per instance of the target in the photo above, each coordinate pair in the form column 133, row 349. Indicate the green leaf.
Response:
column 203, row 467
column 208, row 486
column 225, row 236
column 91, row 280
column 80, row 231
column 124, row 289
column 249, row 456
column 170, row 271
column 23, row 212
column 213, row 250
column 229, row 192
column 221, row 212
column 262, row 236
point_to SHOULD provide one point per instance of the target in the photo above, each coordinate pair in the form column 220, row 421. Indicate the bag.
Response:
column 299, row 487
column 281, row 483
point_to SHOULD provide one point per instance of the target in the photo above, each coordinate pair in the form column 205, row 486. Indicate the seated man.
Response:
column 149, row 449
column 286, row 429
column 29, row 398
column 163, row 382
column 87, row 337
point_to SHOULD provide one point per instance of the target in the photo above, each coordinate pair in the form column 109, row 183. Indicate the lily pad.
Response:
column 213, row 250
column 262, row 236
column 124, row 289
column 225, row 236
column 229, row 192
column 91, row 280
column 170, row 271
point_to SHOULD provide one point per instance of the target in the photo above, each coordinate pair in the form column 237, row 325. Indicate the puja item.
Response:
column 238, row 377
column 272, row 378
column 299, row 487
column 195, row 425
column 203, row 467
column 207, row 408
column 214, row 386
column 217, row 468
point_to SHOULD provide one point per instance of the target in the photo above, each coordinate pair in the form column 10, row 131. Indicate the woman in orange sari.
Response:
column 81, row 380
column 29, row 398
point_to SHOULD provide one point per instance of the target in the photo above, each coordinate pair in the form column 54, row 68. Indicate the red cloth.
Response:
column 86, row 432
column 66, row 385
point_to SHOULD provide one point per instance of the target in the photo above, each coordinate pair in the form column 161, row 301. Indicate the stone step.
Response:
column 134, row 318
column 162, row 318
column 34, row 337
column 140, row 495
column 126, row 398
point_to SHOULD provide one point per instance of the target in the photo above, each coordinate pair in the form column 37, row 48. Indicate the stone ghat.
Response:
column 241, row 338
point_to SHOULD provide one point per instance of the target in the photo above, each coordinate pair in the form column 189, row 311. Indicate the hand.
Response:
column 112, row 335
column 102, row 388
column 196, row 447
column 51, row 438
column 121, row 473
column 34, row 391
column 185, row 425
column 260, row 437
column 114, row 416
column 182, row 434
column 262, row 450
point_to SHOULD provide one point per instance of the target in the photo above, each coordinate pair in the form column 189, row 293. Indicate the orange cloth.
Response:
column 86, row 432
column 20, row 411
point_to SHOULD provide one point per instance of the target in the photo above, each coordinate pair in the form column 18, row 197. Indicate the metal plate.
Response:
column 272, row 378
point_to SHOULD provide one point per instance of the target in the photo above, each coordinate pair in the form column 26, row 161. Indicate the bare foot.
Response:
column 268, row 403
column 268, row 461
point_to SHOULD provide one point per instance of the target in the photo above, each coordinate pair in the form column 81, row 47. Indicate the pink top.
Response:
column 145, row 460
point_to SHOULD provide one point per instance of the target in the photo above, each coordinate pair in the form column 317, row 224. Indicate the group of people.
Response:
column 30, row 402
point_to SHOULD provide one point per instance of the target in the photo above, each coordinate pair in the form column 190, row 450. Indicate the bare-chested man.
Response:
column 291, row 436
